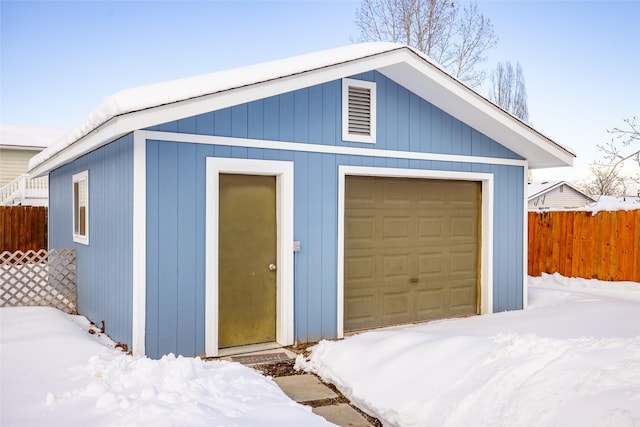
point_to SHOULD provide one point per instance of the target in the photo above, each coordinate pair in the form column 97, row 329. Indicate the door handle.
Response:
column 272, row 267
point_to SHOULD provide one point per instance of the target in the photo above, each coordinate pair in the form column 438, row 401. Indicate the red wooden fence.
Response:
column 604, row 246
column 23, row 228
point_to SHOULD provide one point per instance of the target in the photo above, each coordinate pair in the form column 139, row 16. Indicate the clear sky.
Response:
column 581, row 59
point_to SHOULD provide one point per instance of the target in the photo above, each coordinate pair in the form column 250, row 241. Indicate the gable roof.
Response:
column 146, row 106
column 537, row 189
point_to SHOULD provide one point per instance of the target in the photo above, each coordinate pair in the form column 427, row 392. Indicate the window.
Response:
column 358, row 111
column 81, row 207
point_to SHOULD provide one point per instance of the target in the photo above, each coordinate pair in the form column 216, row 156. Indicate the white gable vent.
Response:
column 358, row 111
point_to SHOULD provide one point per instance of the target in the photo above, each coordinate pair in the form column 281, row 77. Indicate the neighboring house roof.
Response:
column 22, row 137
column 537, row 189
column 556, row 195
column 146, row 106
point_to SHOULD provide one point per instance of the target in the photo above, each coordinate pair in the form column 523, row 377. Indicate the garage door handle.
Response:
column 413, row 280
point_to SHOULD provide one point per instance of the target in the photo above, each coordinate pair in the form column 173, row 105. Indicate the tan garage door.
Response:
column 411, row 250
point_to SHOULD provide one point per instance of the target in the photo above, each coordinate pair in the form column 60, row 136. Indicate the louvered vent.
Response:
column 359, row 111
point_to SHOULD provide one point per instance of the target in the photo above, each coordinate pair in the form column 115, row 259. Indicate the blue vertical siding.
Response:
column 176, row 200
column 104, row 267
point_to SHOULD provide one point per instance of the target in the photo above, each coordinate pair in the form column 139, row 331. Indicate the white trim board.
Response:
column 486, row 262
column 139, row 307
column 328, row 149
column 283, row 171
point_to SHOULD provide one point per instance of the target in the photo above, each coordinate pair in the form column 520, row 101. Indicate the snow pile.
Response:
column 55, row 373
column 613, row 203
column 571, row 359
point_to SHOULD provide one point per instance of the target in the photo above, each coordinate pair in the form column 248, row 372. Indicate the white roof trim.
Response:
column 146, row 106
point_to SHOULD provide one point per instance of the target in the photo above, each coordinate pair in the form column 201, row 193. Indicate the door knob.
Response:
column 272, row 267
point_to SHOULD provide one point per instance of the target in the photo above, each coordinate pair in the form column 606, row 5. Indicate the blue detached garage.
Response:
column 292, row 201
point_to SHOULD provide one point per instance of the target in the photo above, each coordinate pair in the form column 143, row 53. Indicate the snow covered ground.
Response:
column 571, row 359
column 54, row 373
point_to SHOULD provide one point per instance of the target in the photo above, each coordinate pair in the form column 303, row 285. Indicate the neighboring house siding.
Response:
column 176, row 201
column 14, row 163
column 104, row 267
column 567, row 198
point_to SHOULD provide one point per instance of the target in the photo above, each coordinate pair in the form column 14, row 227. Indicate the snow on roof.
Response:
column 28, row 136
column 501, row 126
column 536, row 189
column 153, row 95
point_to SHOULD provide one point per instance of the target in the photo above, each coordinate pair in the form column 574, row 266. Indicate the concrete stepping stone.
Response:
column 304, row 388
column 343, row 415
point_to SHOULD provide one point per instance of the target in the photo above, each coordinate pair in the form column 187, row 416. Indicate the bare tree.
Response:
column 625, row 143
column 605, row 181
column 455, row 37
column 508, row 89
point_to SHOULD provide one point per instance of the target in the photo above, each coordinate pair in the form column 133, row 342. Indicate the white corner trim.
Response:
column 139, row 244
column 284, row 173
column 525, row 240
column 365, row 84
column 486, row 263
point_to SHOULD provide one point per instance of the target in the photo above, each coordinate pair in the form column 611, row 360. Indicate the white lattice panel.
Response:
column 39, row 278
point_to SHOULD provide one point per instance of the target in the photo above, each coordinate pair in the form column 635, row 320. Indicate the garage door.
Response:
column 411, row 250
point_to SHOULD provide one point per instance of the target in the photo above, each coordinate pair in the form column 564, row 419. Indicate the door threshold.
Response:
column 246, row 349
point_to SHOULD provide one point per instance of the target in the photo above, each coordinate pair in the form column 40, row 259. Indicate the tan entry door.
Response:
column 411, row 250
column 247, row 245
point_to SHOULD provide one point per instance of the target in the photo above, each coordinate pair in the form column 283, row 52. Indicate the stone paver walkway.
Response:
column 307, row 389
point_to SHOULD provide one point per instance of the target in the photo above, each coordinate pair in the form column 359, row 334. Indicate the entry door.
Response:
column 247, row 248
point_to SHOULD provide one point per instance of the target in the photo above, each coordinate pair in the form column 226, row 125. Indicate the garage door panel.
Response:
column 360, row 230
column 360, row 309
column 396, row 305
column 464, row 227
column 394, row 192
column 395, row 266
column 396, row 227
column 431, row 227
column 430, row 193
column 360, row 268
column 432, row 264
column 463, row 296
column 361, row 193
column 420, row 243
column 463, row 263
column 430, row 302
column 463, row 193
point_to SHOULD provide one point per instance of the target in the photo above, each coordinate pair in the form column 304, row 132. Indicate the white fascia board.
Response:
column 446, row 93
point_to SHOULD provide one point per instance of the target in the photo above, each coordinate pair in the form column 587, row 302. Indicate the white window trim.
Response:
column 283, row 171
column 486, row 262
column 346, row 136
column 79, row 238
